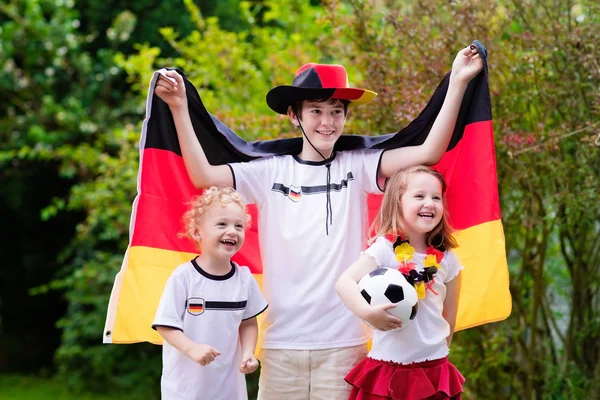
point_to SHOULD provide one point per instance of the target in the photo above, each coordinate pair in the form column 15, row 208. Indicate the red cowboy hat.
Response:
column 317, row 81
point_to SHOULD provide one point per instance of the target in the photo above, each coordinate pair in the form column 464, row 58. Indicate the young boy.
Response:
column 313, row 219
column 207, row 313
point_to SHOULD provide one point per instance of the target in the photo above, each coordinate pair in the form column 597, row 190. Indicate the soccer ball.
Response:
column 385, row 286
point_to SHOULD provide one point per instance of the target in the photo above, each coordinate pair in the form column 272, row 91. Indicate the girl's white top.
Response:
column 423, row 338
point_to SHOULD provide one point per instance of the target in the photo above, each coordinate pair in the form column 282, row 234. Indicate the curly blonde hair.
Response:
column 211, row 197
column 389, row 219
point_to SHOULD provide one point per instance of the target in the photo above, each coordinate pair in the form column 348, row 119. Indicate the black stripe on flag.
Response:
column 222, row 146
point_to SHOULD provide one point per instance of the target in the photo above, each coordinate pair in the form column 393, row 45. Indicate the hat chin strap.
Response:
column 329, row 216
column 312, row 145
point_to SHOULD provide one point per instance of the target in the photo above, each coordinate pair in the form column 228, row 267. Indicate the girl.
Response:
column 412, row 235
column 207, row 313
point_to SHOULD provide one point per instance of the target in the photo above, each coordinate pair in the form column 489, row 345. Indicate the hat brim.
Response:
column 281, row 97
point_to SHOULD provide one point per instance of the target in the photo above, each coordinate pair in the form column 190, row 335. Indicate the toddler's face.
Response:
column 222, row 230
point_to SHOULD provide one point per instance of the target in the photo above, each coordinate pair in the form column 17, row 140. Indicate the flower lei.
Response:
column 422, row 281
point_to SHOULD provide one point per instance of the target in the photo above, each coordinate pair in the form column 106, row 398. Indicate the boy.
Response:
column 208, row 309
column 310, row 341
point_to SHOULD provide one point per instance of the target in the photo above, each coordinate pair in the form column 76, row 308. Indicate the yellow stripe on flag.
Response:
column 485, row 295
column 142, row 285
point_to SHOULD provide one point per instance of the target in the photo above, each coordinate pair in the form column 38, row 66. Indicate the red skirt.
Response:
column 380, row 380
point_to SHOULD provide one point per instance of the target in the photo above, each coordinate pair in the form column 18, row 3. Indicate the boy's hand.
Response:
column 248, row 365
column 466, row 65
column 170, row 88
column 203, row 354
column 380, row 319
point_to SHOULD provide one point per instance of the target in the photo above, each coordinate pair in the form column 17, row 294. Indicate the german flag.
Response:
column 196, row 306
column 164, row 190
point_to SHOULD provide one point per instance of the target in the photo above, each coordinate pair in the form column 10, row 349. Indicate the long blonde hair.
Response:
column 389, row 220
column 211, row 197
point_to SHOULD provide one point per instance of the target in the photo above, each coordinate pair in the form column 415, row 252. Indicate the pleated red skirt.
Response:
column 380, row 380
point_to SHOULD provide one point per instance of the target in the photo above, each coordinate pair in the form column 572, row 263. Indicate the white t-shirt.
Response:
column 209, row 310
column 301, row 262
column 423, row 338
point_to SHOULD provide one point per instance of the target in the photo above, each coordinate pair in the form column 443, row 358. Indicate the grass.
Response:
column 27, row 387
column 19, row 387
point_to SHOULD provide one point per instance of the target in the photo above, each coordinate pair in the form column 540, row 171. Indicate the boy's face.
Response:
column 222, row 230
column 323, row 123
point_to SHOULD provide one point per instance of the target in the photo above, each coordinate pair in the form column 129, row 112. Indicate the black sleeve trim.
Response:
column 256, row 315
column 166, row 326
column 377, row 173
column 233, row 176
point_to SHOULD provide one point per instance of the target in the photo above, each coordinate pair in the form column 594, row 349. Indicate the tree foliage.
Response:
column 63, row 107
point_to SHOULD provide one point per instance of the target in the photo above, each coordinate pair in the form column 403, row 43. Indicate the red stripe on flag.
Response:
column 164, row 175
column 470, row 171
column 164, row 196
column 165, row 190
column 158, row 223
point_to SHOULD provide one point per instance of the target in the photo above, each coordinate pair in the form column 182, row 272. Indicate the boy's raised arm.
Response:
column 466, row 66
column 201, row 172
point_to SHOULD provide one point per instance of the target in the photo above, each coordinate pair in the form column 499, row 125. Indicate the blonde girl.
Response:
column 412, row 235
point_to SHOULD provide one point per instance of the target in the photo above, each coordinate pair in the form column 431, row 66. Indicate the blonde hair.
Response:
column 389, row 220
column 211, row 197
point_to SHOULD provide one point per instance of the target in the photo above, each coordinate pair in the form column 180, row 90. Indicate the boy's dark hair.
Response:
column 297, row 106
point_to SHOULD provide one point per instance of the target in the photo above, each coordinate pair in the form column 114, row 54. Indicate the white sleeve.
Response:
column 171, row 307
column 453, row 264
column 369, row 166
column 381, row 250
column 252, row 179
column 256, row 303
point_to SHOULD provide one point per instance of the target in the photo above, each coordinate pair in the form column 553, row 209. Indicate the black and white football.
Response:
column 385, row 286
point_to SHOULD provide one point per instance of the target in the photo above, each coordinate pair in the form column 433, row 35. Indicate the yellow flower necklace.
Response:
column 422, row 281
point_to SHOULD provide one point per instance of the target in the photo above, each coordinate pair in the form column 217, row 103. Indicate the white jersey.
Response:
column 423, row 338
column 301, row 261
column 209, row 310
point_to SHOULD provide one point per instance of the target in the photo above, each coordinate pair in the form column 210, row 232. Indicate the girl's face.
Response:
column 222, row 231
column 422, row 206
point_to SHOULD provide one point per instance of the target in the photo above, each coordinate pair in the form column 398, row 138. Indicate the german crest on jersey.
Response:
column 195, row 305
column 295, row 193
